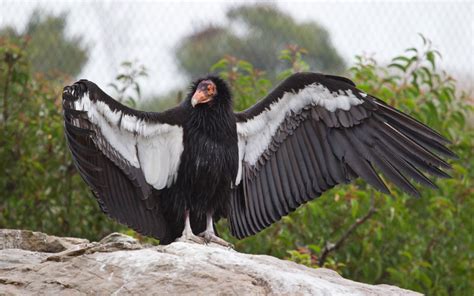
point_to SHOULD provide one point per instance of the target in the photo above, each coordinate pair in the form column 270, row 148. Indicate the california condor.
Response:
column 161, row 173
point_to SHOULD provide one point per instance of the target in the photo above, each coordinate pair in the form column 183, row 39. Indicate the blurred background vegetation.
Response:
column 268, row 31
column 423, row 244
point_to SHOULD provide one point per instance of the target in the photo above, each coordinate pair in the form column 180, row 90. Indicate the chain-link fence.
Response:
column 99, row 35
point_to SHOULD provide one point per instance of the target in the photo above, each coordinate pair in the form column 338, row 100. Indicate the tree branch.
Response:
column 328, row 248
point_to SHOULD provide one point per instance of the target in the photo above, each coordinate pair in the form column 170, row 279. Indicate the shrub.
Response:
column 40, row 188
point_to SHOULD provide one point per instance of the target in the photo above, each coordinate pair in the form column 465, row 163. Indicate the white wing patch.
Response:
column 154, row 147
column 256, row 134
column 241, row 144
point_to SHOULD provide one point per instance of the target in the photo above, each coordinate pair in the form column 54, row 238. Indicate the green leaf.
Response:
column 398, row 66
column 412, row 49
column 221, row 65
column 425, row 280
column 284, row 74
column 354, row 208
column 431, row 58
column 246, row 66
column 402, row 58
column 425, row 41
column 428, row 75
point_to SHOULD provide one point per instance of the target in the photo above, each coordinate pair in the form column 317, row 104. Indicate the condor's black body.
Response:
column 163, row 173
column 208, row 165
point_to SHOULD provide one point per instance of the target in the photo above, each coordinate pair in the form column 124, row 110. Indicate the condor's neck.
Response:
column 217, row 122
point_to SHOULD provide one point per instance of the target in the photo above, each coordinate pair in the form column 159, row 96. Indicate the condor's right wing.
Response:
column 124, row 155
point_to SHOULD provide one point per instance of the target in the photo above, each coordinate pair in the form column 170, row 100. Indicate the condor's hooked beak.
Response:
column 205, row 92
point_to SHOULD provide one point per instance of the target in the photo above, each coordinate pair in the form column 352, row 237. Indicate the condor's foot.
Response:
column 189, row 237
column 211, row 237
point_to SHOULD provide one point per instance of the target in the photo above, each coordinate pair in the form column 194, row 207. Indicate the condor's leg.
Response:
column 188, row 235
column 210, row 236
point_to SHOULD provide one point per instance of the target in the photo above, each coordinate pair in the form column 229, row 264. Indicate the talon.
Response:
column 190, row 238
column 210, row 237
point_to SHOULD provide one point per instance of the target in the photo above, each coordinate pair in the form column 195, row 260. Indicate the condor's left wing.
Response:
column 315, row 131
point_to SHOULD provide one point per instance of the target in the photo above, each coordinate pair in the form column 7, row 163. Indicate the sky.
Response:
column 148, row 31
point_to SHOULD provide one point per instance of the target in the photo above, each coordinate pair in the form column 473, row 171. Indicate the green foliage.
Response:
column 247, row 82
column 423, row 244
column 266, row 31
column 293, row 55
column 162, row 102
column 47, row 41
column 39, row 186
column 127, row 83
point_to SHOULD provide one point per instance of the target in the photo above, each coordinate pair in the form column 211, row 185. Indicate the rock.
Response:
column 119, row 265
column 112, row 242
column 36, row 241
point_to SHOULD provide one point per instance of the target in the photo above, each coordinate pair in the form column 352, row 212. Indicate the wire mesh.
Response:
column 149, row 32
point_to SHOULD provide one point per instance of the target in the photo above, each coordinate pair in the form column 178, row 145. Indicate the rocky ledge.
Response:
column 36, row 263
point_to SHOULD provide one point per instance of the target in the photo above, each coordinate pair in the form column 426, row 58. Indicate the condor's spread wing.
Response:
column 124, row 155
column 315, row 131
